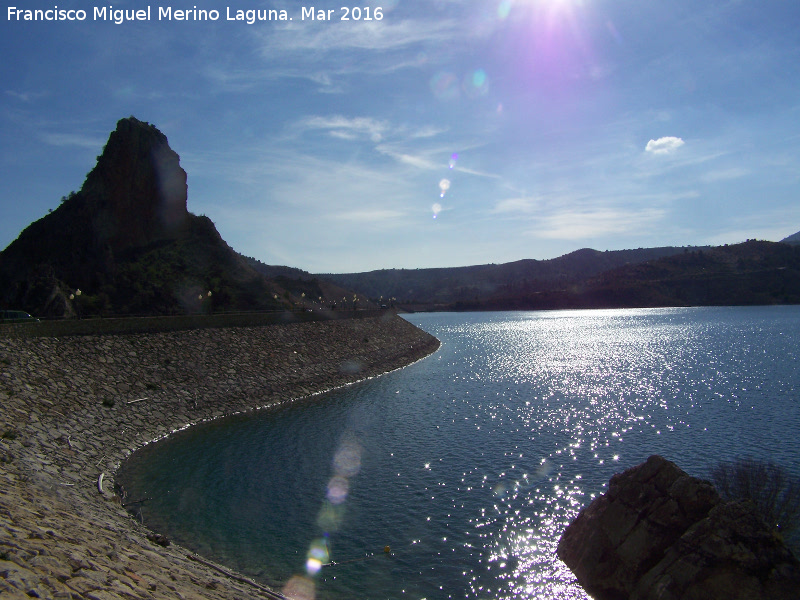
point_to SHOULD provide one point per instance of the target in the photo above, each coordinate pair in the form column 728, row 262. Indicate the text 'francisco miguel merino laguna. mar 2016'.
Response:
column 169, row 13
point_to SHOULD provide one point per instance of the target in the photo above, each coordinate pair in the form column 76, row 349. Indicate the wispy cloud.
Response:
column 372, row 216
column 381, row 35
column 418, row 161
column 577, row 224
column 477, row 173
column 725, row 174
column 72, row 139
column 427, row 131
column 333, row 55
column 520, row 205
column 347, row 128
column 25, row 96
column 401, row 143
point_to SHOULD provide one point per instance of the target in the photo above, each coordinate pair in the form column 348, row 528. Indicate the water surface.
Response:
column 470, row 463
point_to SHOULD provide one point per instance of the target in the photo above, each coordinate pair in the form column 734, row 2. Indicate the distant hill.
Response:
column 750, row 273
column 468, row 284
column 128, row 243
column 792, row 239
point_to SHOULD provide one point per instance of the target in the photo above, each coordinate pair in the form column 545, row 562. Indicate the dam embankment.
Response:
column 74, row 407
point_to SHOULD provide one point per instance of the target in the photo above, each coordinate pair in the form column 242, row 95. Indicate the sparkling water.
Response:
column 455, row 477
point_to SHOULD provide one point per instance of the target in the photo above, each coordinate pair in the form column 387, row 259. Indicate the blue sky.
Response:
column 447, row 133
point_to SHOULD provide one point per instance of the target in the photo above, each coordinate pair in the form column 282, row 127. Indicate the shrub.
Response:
column 774, row 491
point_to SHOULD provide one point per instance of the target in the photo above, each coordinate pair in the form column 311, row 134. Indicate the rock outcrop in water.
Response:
column 658, row 533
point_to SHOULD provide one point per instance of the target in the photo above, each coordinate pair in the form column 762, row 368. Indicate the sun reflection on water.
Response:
column 470, row 465
column 596, row 380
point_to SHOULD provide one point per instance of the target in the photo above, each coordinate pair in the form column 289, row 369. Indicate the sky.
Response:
column 424, row 133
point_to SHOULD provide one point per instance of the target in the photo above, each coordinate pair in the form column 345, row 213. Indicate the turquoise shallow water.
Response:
column 470, row 463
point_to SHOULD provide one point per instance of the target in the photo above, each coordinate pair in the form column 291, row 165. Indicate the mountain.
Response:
column 127, row 241
column 753, row 272
column 750, row 273
column 467, row 284
column 792, row 239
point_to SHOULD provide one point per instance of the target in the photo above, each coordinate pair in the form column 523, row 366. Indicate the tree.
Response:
column 774, row 491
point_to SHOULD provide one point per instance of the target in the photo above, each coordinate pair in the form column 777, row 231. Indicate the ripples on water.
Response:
column 470, row 463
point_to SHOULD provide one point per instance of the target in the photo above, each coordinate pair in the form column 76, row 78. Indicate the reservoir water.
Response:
column 469, row 464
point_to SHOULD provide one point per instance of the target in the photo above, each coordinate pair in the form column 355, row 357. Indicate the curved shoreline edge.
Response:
column 73, row 408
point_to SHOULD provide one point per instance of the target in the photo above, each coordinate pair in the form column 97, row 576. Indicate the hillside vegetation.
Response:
column 754, row 272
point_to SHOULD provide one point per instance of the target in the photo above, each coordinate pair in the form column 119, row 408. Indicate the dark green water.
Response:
column 470, row 463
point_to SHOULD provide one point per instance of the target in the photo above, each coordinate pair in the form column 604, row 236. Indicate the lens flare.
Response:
column 337, row 489
column 299, row 588
column 330, row 516
column 436, row 208
column 346, row 464
column 444, row 185
column 453, row 160
column 476, row 83
column 347, row 461
column 313, row 566
column 317, row 556
column 444, row 86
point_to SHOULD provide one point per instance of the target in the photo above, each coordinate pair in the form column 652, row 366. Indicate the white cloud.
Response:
column 664, row 145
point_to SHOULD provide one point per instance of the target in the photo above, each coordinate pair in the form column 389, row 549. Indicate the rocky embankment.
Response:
column 74, row 407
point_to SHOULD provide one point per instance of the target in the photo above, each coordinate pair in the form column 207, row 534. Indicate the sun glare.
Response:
column 549, row 6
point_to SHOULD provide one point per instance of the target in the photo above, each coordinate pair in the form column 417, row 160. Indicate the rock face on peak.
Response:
column 659, row 534
column 128, row 242
column 138, row 189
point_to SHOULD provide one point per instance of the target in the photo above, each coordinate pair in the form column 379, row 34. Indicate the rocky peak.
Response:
column 128, row 243
column 137, row 191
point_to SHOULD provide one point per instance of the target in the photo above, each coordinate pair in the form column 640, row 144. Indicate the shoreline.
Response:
column 75, row 407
